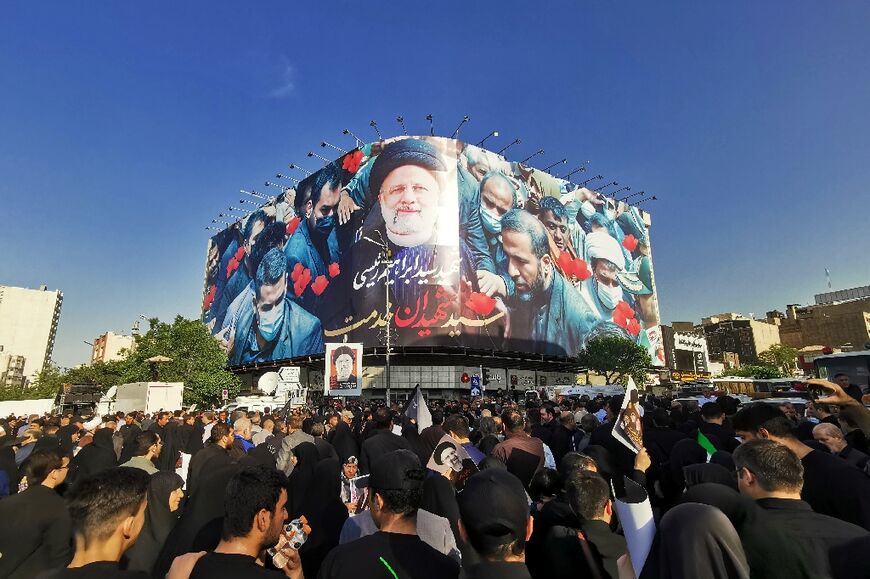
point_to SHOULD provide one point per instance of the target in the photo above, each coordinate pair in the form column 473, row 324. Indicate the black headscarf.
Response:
column 159, row 521
column 7, row 465
column 723, row 458
column 260, row 455
column 343, row 441
column 759, row 539
column 684, row 453
column 95, row 457
column 696, row 474
column 194, row 440
column 693, row 541
column 199, row 527
column 439, row 498
column 326, row 515
column 418, row 445
column 602, row 458
column 301, row 480
column 171, row 438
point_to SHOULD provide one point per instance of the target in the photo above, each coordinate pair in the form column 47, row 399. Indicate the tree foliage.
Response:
column 762, row 371
column 197, row 360
column 616, row 359
column 780, row 356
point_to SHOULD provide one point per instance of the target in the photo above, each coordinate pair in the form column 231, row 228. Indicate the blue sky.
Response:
column 126, row 127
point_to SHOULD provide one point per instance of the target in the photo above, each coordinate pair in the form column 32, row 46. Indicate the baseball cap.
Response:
column 494, row 509
column 397, row 470
column 347, row 414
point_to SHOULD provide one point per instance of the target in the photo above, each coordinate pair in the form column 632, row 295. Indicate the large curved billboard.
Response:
column 425, row 241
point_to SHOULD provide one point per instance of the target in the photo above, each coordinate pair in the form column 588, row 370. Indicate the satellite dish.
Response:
column 110, row 393
column 268, row 382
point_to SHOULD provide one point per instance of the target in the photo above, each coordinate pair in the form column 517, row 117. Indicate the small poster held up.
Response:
column 628, row 428
column 343, row 374
column 451, row 460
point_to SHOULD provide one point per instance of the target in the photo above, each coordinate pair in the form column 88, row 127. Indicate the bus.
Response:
column 756, row 387
column 855, row 364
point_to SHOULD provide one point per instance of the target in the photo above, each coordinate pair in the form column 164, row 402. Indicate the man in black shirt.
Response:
column 215, row 454
column 546, row 427
column 831, row 486
column 254, row 516
column 713, row 426
column 107, row 512
column 396, row 491
column 35, row 534
column 589, row 497
column 495, row 521
column 381, row 441
column 772, row 474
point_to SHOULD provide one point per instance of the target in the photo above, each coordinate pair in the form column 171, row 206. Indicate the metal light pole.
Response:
column 389, row 263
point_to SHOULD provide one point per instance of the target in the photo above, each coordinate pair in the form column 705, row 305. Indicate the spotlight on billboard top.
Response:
column 428, row 241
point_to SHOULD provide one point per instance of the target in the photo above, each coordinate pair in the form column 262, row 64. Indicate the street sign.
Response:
column 225, row 393
column 289, row 374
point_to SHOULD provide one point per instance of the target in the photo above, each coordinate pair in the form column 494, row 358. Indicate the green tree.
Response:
column 616, row 359
column 754, row 371
column 197, row 360
column 45, row 385
column 780, row 356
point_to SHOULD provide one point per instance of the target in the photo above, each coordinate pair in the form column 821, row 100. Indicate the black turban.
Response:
column 403, row 152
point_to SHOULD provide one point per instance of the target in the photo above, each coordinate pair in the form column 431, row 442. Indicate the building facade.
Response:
column 844, row 325
column 738, row 335
column 109, row 346
column 438, row 382
column 28, row 325
column 11, row 371
column 686, row 348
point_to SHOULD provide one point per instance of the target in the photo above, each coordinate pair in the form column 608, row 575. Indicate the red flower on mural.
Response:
column 298, row 289
column 352, row 161
column 630, row 242
column 297, row 271
column 209, row 298
column 232, row 266
column 301, row 277
column 573, row 268
column 480, row 304
column 633, row 327
column 334, row 270
column 626, row 309
column 291, row 227
column 319, row 285
column 623, row 316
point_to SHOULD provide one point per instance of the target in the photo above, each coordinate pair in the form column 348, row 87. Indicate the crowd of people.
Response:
column 755, row 491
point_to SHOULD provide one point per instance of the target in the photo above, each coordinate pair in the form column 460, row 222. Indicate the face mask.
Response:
column 609, row 296
column 324, row 225
column 490, row 222
column 270, row 322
